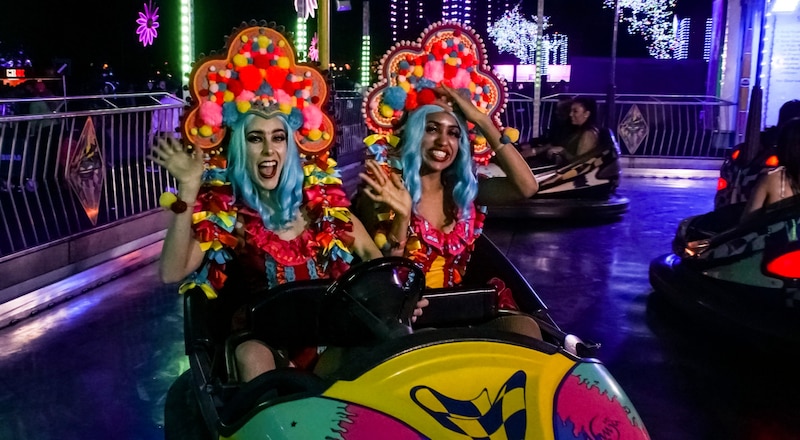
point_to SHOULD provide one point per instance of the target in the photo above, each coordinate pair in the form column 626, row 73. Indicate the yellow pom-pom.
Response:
column 243, row 106
column 285, row 108
column 512, row 133
column 227, row 96
column 263, row 41
column 326, row 136
column 405, row 86
column 380, row 240
column 283, row 62
column 452, row 61
column 480, row 140
column 206, row 131
column 239, row 60
column 386, row 111
column 418, row 71
column 314, row 134
column 167, row 199
column 193, row 131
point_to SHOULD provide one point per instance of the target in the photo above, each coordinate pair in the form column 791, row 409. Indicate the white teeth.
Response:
column 439, row 154
column 269, row 163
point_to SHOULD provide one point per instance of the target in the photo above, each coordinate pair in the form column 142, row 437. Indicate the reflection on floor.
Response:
column 99, row 366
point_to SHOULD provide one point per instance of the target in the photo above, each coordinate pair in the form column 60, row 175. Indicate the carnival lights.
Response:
column 652, row 19
column 148, row 24
column 515, row 34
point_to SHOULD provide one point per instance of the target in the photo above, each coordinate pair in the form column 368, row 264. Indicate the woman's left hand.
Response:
column 386, row 189
column 421, row 304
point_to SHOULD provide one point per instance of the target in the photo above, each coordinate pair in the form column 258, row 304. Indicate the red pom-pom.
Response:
column 250, row 77
column 411, row 100
column 261, row 61
column 450, row 71
column 426, row 96
column 235, row 87
column 457, row 33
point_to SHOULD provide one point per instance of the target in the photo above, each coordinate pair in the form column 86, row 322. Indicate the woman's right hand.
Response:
column 186, row 167
column 386, row 189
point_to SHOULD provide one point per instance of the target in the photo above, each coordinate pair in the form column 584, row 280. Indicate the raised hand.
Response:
column 471, row 113
column 386, row 189
column 185, row 166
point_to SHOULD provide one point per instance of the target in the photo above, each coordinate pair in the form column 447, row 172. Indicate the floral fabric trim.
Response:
column 327, row 240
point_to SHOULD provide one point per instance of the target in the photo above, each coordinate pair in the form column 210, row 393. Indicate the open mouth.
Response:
column 267, row 169
column 439, row 155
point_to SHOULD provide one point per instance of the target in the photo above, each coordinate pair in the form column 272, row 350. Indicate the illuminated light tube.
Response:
column 187, row 39
column 785, row 5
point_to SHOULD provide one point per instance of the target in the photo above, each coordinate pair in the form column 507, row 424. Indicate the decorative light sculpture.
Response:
column 313, row 51
column 653, row 20
column 305, row 8
column 148, row 24
column 515, row 34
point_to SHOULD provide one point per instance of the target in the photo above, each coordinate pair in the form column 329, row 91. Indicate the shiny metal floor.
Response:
column 99, row 366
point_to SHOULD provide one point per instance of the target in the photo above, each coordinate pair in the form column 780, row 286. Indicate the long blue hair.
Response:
column 459, row 175
column 279, row 206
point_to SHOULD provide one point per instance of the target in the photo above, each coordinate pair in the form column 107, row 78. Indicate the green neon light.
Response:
column 187, row 39
column 365, row 48
column 301, row 40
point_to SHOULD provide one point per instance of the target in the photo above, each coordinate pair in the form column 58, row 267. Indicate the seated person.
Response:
column 783, row 181
column 430, row 203
column 267, row 211
column 582, row 138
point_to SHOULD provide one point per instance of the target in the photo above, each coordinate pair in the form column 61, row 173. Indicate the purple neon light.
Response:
column 148, row 24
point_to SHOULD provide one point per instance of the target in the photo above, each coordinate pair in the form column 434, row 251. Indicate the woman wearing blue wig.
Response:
column 437, row 203
column 434, row 114
column 259, row 202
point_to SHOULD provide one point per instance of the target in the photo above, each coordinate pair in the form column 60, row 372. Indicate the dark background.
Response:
column 89, row 33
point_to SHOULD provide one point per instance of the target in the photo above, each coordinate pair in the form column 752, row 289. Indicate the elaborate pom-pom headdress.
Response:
column 446, row 53
column 257, row 74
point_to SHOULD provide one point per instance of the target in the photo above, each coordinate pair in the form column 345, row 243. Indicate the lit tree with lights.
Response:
column 652, row 19
column 515, row 34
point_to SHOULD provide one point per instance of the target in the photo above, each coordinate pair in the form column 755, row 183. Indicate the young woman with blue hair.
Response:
column 259, row 201
column 436, row 205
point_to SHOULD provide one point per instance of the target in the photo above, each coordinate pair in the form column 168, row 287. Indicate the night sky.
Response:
column 92, row 32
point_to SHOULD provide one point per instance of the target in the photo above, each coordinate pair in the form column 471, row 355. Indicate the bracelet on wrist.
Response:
column 172, row 202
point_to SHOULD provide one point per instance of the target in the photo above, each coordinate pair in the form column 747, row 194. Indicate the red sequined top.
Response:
column 444, row 256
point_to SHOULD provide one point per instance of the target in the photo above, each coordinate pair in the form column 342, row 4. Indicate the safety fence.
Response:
column 81, row 164
column 645, row 125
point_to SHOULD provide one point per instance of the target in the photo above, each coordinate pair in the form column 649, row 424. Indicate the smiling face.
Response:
column 440, row 141
column 578, row 114
column 266, row 151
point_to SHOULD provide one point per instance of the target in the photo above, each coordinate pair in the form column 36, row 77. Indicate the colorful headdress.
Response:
column 257, row 74
column 446, row 53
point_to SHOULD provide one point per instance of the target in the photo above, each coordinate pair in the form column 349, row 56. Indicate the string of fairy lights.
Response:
column 666, row 36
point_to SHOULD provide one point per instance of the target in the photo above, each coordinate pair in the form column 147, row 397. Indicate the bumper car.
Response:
column 742, row 277
column 583, row 188
column 450, row 375
column 738, row 175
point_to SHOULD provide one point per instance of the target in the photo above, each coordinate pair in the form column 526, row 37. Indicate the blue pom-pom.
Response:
column 403, row 64
column 395, row 97
column 255, row 45
column 222, row 86
column 264, row 89
column 425, row 83
column 229, row 113
column 504, row 139
column 295, row 118
column 270, row 48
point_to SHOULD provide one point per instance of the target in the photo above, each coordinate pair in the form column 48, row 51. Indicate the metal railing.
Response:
column 646, row 125
column 54, row 185
column 39, row 205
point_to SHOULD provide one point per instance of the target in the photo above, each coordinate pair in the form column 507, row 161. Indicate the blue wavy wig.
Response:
column 279, row 206
column 459, row 175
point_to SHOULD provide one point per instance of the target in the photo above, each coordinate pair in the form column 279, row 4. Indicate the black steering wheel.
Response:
column 373, row 301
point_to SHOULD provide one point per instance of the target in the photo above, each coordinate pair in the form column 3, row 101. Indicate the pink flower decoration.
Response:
column 434, row 71
column 211, row 113
column 461, row 80
column 312, row 117
column 148, row 24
